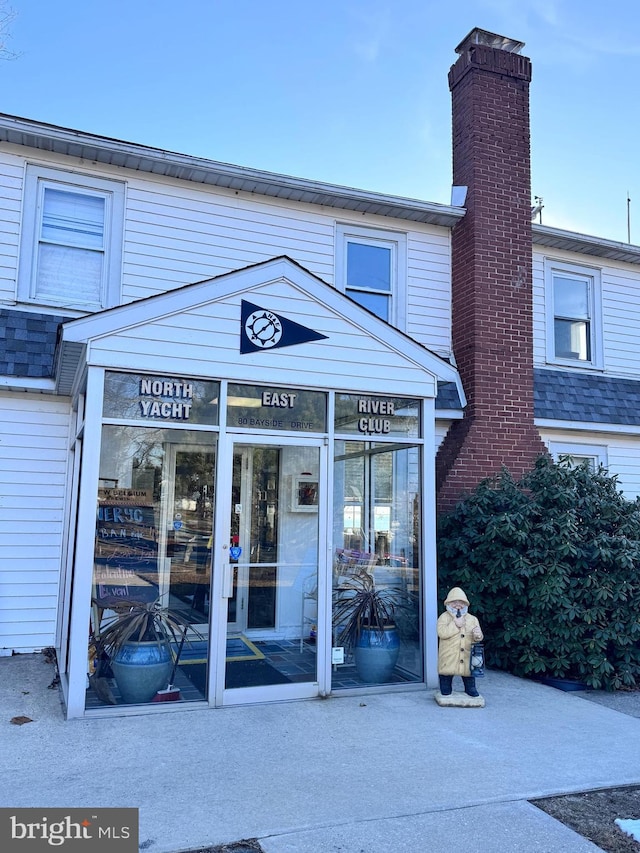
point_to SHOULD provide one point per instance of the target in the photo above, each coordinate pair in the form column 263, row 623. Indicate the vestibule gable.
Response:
column 272, row 321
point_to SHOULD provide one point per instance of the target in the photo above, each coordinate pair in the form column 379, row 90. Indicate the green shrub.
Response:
column 551, row 565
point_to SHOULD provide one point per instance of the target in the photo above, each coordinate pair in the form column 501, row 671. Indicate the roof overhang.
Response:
column 570, row 241
column 129, row 155
column 41, row 136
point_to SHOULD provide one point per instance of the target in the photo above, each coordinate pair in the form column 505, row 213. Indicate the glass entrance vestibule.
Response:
column 274, row 536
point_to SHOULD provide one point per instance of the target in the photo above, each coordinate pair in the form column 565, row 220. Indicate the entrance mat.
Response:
column 243, row 673
column 252, row 673
column 238, row 649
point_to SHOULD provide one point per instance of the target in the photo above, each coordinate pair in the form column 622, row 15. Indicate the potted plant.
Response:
column 136, row 640
column 364, row 622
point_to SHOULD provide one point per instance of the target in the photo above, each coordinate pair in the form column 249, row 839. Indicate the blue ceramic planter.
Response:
column 140, row 670
column 376, row 654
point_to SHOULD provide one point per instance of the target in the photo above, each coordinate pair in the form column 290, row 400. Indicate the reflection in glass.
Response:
column 572, row 326
column 376, row 535
column 368, row 266
column 572, row 339
column 369, row 277
column 153, row 544
column 371, row 415
column 272, row 612
column 377, row 303
column 571, row 297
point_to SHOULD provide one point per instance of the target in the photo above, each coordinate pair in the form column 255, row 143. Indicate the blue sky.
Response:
column 352, row 92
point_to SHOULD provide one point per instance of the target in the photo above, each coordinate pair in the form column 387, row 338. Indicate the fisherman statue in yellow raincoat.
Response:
column 458, row 630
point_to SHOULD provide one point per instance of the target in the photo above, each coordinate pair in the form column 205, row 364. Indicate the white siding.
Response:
column 620, row 310
column 11, row 180
column 204, row 341
column 442, row 428
column 429, row 289
column 621, row 319
column 177, row 232
column 181, row 233
column 539, row 317
column 34, row 431
column 623, row 453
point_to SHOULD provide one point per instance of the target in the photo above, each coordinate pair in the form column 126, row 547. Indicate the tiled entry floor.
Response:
column 298, row 665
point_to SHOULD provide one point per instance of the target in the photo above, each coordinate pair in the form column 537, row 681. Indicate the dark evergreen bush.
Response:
column 551, row 565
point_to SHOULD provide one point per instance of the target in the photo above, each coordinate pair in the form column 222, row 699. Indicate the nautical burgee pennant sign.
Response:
column 262, row 329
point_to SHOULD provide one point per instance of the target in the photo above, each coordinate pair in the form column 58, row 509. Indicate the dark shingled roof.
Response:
column 27, row 343
column 448, row 396
column 571, row 396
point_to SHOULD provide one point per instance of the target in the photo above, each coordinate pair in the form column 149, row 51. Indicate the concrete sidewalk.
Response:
column 383, row 773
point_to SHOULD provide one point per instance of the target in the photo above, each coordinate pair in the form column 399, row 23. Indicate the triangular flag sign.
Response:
column 262, row 329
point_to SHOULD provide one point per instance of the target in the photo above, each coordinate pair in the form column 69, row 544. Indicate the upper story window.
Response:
column 371, row 269
column 71, row 250
column 595, row 455
column 573, row 315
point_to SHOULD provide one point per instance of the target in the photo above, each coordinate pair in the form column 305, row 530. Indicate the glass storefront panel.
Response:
column 152, row 566
column 272, row 609
column 376, row 564
column 268, row 408
column 160, row 400
column 154, row 543
column 363, row 414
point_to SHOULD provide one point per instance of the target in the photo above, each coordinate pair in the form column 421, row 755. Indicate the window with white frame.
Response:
column 71, row 249
column 371, row 269
column 573, row 315
column 577, row 454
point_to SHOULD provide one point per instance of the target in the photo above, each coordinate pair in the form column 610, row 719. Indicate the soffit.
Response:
column 128, row 155
column 585, row 244
column 99, row 149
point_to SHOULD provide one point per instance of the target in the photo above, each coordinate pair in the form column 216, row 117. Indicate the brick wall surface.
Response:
column 491, row 273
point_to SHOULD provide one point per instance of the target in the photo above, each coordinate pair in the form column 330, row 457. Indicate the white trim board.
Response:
column 583, row 426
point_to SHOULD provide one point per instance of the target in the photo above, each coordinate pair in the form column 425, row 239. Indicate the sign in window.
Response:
column 377, row 416
column 160, row 399
column 262, row 407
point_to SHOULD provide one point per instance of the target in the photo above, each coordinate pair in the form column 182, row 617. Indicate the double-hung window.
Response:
column 371, row 269
column 573, row 316
column 71, row 250
column 595, row 455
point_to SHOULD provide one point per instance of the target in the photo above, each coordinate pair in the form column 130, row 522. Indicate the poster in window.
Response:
column 305, row 495
column 126, row 550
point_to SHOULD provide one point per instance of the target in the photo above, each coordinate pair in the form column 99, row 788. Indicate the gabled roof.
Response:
column 78, row 333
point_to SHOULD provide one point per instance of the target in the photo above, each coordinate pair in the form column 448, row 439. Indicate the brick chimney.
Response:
column 491, row 267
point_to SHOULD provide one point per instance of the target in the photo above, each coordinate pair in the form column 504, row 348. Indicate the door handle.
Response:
column 227, row 579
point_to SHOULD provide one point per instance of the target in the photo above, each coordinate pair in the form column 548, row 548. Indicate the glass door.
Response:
column 271, row 567
column 254, row 538
column 187, row 512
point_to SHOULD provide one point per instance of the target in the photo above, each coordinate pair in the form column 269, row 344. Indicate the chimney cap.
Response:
column 478, row 36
